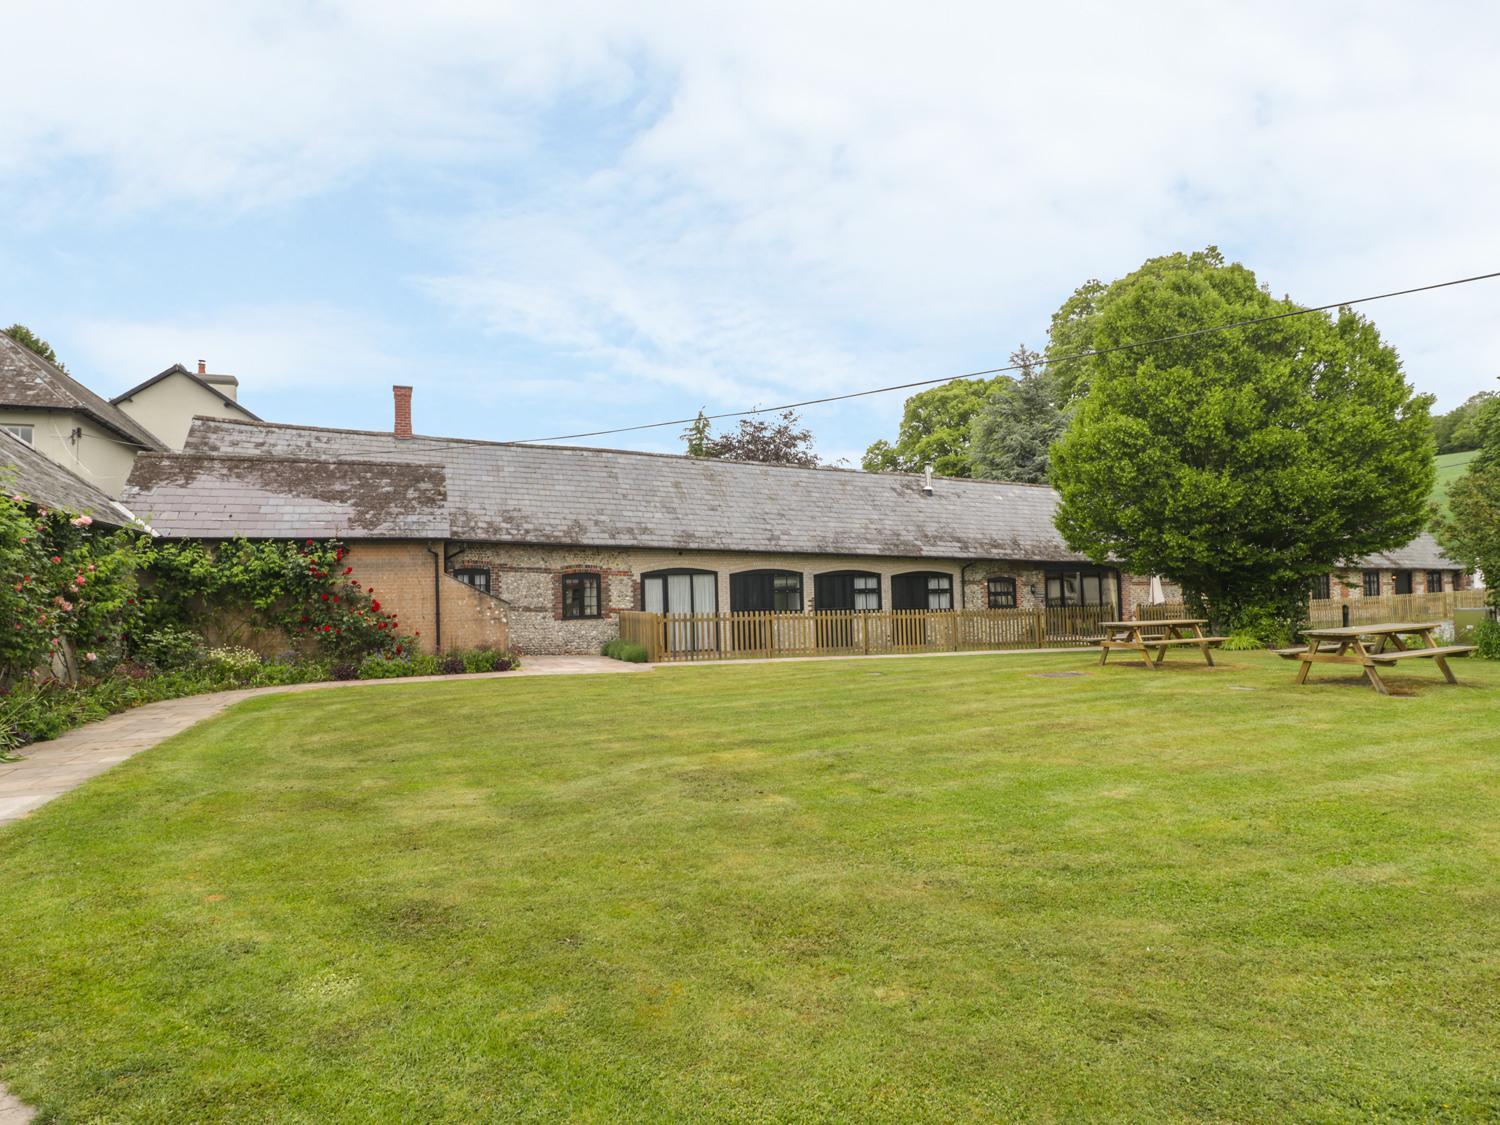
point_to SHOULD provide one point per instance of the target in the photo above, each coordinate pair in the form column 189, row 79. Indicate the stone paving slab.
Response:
column 50, row 769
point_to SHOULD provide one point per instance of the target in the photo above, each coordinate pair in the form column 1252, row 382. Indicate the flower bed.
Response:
column 37, row 710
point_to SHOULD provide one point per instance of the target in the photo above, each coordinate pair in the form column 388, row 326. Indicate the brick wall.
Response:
column 401, row 574
column 529, row 580
column 1349, row 585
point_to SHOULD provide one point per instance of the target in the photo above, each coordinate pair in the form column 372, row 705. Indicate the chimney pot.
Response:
column 203, row 367
column 403, row 411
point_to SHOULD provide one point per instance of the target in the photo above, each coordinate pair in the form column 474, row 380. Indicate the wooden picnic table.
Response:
column 1160, row 635
column 1348, row 645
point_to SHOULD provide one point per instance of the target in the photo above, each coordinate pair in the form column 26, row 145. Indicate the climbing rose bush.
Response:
column 63, row 580
column 305, row 589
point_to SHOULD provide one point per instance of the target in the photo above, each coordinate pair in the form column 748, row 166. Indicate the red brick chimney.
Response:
column 203, row 367
column 403, row 411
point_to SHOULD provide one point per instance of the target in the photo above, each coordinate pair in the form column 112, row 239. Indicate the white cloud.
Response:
column 745, row 203
column 272, row 349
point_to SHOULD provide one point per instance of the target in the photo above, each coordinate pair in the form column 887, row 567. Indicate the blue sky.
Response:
column 560, row 220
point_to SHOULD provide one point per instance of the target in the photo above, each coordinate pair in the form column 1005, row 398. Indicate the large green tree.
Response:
column 1471, row 530
column 936, row 429
column 1240, row 463
column 1015, row 429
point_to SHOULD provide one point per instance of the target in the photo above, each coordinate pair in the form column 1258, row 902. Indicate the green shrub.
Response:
column 231, row 663
column 1486, row 636
column 628, row 651
column 452, row 666
column 169, row 648
column 378, row 667
column 1243, row 642
column 482, row 661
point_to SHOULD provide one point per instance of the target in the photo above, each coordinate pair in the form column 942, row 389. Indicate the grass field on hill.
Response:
column 998, row 887
column 1450, row 466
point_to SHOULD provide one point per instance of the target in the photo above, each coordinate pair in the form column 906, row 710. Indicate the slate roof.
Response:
column 178, row 369
column 1422, row 553
column 275, row 481
column 29, row 382
column 47, row 484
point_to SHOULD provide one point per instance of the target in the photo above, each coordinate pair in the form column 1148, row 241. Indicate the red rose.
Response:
column 323, row 596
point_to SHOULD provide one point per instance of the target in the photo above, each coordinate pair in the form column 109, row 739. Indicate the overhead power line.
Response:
column 1014, row 366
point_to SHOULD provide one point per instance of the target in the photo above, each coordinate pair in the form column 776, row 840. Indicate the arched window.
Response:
column 845, row 590
column 922, row 589
column 765, row 591
column 680, row 590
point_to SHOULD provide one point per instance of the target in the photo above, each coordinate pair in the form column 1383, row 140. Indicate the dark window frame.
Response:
column 828, row 578
column 584, row 581
column 1002, row 586
column 1438, row 574
column 778, row 581
column 900, row 582
column 1372, row 578
column 1102, row 573
column 1322, row 588
column 668, row 572
column 465, row 573
column 1403, row 578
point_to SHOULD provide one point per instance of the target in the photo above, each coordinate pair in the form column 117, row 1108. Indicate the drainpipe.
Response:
column 437, row 599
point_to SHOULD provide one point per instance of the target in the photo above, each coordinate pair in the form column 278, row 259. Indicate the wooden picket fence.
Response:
column 1326, row 612
column 723, row 636
column 1329, row 612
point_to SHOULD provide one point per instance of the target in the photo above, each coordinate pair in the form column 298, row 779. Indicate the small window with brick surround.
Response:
column 1322, row 588
column 580, row 596
column 1434, row 581
column 1372, row 583
column 1002, row 593
column 476, row 576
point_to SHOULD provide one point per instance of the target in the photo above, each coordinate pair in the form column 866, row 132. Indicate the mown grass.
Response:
column 942, row 888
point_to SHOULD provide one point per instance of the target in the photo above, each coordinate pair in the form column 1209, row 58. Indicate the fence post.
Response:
column 1345, row 609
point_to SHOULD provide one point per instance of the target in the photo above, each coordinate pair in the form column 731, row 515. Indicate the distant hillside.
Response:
column 1450, row 466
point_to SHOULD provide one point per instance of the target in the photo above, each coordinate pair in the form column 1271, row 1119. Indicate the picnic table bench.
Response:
column 1147, row 637
column 1347, row 645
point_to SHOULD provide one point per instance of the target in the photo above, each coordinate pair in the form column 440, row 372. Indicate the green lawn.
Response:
column 1450, row 466
column 941, row 888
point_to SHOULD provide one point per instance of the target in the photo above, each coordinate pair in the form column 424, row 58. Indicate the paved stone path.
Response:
column 50, row 769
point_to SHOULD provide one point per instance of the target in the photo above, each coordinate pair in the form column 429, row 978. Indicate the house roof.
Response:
column 277, row 481
column 46, row 483
column 178, row 369
column 1422, row 553
column 29, row 382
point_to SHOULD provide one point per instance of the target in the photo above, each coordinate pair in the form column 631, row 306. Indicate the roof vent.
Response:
column 927, row 481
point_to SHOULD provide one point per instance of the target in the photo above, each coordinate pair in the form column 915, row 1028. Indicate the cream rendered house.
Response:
column 166, row 404
column 67, row 423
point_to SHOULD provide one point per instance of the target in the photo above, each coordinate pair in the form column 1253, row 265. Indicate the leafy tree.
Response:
column 1016, row 427
column 29, row 339
column 1461, row 429
column 1072, row 332
column 781, row 442
column 936, row 429
column 1241, row 464
column 1471, row 530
